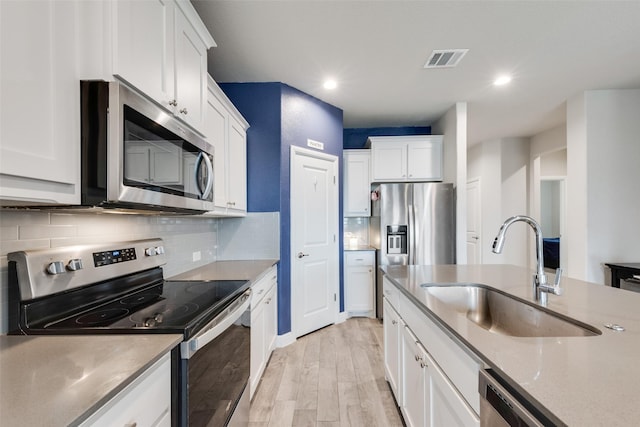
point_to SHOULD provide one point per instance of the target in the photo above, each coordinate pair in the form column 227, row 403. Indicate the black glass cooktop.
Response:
column 165, row 307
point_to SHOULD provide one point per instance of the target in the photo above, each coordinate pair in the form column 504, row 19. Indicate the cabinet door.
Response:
column 142, row 55
column 424, row 160
column 271, row 321
column 415, row 396
column 392, row 347
column 39, row 108
column 389, row 161
column 359, row 290
column 190, row 72
column 448, row 407
column 257, row 345
column 144, row 402
column 216, row 132
column 237, row 166
column 357, row 183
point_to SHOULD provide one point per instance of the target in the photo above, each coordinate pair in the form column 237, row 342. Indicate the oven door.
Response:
column 215, row 367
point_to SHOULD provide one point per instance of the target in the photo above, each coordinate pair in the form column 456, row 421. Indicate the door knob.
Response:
column 301, row 255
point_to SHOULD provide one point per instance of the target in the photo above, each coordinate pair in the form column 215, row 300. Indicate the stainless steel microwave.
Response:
column 136, row 155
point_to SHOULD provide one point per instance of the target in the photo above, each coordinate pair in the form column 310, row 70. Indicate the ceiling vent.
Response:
column 445, row 58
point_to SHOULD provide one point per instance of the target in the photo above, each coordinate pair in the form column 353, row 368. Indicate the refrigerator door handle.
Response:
column 412, row 232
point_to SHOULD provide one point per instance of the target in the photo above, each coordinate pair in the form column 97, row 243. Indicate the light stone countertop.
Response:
column 583, row 381
column 348, row 248
column 62, row 380
column 251, row 270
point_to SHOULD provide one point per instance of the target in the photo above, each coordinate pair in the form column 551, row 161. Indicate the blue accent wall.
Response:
column 281, row 116
column 357, row 137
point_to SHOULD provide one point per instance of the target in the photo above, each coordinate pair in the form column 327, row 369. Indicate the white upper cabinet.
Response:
column 190, row 68
column 226, row 130
column 357, row 183
column 39, row 106
column 157, row 46
column 406, row 158
column 142, row 49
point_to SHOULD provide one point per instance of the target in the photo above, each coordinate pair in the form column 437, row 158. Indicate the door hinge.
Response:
column 334, row 238
column 334, row 179
column 335, row 298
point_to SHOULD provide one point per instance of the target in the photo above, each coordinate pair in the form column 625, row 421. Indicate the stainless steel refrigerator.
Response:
column 412, row 224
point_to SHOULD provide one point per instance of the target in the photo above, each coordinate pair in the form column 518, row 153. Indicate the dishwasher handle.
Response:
column 217, row 326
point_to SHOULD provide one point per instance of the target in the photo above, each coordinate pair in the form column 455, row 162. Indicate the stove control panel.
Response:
column 113, row 257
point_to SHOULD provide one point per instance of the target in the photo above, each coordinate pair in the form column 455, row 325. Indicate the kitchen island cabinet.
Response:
column 71, row 380
column 562, row 377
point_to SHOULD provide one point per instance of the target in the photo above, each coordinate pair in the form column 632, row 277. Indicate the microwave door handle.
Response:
column 196, row 173
column 209, row 186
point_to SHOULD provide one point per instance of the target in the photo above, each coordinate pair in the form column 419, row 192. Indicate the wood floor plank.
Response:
column 282, row 413
column 304, row 418
column 328, row 408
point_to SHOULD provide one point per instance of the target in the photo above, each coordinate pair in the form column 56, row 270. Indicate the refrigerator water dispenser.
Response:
column 396, row 239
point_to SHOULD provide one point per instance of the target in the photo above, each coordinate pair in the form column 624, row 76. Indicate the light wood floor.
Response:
column 331, row 377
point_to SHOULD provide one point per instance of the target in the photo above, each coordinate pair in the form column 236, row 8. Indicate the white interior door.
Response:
column 314, row 247
column 474, row 241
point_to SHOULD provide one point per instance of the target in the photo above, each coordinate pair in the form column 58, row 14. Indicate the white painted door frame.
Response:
column 296, row 153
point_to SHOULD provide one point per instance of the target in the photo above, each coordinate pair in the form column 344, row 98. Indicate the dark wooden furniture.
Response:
column 623, row 271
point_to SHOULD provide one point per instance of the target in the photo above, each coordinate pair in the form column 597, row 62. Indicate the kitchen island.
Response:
column 578, row 381
column 63, row 380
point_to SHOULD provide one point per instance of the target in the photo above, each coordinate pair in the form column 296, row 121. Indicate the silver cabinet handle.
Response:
column 173, row 103
column 184, row 111
column 301, row 255
column 393, row 322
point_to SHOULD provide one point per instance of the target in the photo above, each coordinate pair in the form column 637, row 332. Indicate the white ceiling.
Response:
column 376, row 51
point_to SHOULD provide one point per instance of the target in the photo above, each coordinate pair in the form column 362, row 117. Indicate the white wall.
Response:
column 453, row 125
column 502, row 166
column 602, row 183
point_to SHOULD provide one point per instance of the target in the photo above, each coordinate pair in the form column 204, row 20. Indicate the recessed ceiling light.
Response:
column 502, row 80
column 330, row 84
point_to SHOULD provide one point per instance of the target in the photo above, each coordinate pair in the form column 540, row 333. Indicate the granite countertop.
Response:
column 580, row 380
column 251, row 270
column 62, row 380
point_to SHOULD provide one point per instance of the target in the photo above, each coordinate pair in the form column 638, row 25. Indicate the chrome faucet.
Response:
column 540, row 286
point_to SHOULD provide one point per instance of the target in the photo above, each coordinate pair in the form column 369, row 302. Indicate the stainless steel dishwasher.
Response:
column 500, row 406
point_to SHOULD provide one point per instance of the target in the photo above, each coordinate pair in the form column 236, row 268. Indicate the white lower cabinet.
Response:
column 392, row 347
column 264, row 325
column 437, row 381
column 359, row 283
column 415, row 381
column 144, row 402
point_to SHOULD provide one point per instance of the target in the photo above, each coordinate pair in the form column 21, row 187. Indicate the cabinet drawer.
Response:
column 359, row 258
column 261, row 287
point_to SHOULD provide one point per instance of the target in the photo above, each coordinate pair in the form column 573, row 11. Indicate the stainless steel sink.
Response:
column 503, row 314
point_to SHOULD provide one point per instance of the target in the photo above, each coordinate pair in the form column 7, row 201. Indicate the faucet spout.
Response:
column 539, row 279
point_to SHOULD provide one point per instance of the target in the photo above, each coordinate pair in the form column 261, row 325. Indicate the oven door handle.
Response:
column 189, row 348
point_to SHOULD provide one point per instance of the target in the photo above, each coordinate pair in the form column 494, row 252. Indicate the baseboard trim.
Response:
column 342, row 317
column 285, row 340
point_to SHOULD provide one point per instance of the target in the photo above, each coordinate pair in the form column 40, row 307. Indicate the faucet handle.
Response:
column 556, row 282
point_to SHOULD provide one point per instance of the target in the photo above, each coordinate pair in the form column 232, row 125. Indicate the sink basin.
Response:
column 503, row 314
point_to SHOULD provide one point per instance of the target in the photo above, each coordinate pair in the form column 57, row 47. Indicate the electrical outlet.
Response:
column 197, row 256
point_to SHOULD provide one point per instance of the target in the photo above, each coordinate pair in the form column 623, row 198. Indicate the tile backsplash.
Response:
column 253, row 237
column 357, row 228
